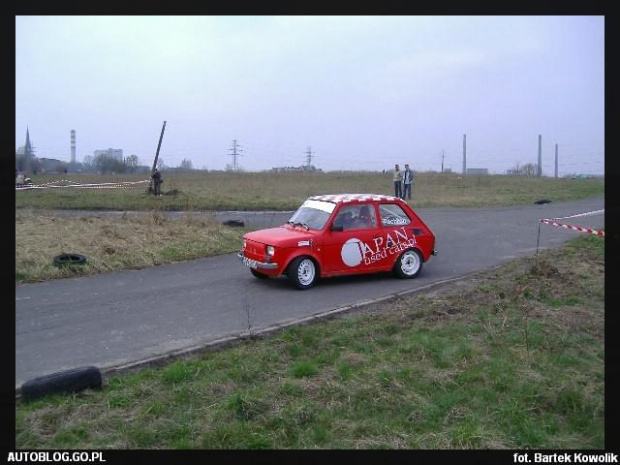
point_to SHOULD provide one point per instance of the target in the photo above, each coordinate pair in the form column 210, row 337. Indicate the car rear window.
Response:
column 393, row 215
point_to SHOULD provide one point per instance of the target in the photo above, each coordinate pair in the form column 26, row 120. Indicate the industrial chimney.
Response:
column 72, row 145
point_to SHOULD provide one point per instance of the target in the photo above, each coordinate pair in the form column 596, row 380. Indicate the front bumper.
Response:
column 256, row 265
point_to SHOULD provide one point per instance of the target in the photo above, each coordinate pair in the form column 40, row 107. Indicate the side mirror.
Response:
column 337, row 228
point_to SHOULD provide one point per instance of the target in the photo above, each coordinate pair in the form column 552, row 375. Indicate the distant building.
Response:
column 477, row 171
column 51, row 165
column 295, row 168
column 27, row 149
column 26, row 159
column 116, row 154
column 584, row 176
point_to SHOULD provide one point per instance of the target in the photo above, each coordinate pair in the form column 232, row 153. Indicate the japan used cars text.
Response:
column 344, row 234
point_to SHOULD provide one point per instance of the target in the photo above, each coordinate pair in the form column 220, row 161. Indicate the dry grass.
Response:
column 130, row 242
column 203, row 190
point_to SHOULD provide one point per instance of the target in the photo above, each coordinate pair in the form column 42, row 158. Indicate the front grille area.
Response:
column 255, row 251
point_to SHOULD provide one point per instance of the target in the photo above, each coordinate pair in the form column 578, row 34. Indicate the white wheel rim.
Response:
column 306, row 272
column 410, row 263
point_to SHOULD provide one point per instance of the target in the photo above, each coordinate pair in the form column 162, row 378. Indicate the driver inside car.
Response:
column 363, row 220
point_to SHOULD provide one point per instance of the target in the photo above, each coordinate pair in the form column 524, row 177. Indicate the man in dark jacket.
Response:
column 407, row 182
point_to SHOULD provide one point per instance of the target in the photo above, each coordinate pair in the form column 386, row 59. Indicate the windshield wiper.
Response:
column 299, row 223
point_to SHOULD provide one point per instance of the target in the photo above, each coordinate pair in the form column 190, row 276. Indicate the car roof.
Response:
column 350, row 198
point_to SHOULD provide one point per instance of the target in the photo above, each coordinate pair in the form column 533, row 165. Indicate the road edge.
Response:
column 238, row 338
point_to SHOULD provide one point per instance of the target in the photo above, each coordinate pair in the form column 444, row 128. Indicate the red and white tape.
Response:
column 554, row 222
column 592, row 213
column 62, row 185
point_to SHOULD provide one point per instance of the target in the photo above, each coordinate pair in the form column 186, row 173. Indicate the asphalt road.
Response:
column 122, row 318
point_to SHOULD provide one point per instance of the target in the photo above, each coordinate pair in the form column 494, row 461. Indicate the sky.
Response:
column 356, row 92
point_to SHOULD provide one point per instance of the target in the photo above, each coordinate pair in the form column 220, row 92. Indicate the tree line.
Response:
column 102, row 163
column 529, row 170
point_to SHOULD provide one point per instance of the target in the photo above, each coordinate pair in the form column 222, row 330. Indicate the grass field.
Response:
column 512, row 358
column 201, row 190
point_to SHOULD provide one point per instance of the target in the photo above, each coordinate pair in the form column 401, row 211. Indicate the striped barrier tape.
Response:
column 56, row 182
column 554, row 222
column 593, row 213
column 104, row 185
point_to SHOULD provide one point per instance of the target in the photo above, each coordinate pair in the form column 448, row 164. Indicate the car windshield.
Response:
column 313, row 214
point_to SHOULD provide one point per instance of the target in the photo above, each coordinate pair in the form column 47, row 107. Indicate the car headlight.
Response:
column 245, row 244
column 270, row 250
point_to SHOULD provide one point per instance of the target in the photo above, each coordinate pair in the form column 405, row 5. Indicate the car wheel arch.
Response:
column 301, row 274
column 305, row 253
column 397, row 264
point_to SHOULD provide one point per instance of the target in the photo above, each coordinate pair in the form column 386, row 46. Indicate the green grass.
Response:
column 480, row 365
column 201, row 190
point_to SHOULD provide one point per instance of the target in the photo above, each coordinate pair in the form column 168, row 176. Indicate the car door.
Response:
column 397, row 232
column 349, row 245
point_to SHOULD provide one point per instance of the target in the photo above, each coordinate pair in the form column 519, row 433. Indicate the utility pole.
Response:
column 235, row 153
column 539, row 155
column 161, row 136
column 308, row 158
column 556, row 161
column 443, row 154
column 464, row 154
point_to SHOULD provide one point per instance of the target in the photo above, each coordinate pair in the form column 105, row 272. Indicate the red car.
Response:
column 334, row 235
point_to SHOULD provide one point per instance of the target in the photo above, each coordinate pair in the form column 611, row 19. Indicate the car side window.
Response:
column 356, row 217
column 393, row 215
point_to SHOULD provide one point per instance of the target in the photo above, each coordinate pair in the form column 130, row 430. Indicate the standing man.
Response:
column 398, row 179
column 407, row 182
column 157, row 182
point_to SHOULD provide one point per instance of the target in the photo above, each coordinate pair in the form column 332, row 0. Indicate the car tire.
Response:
column 409, row 264
column 234, row 223
column 258, row 274
column 69, row 259
column 302, row 273
column 68, row 381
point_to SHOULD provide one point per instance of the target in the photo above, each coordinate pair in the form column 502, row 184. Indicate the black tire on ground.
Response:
column 409, row 264
column 234, row 223
column 69, row 259
column 258, row 274
column 302, row 272
column 68, row 381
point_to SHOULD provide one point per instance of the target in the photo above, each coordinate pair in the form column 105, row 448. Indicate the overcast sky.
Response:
column 363, row 92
